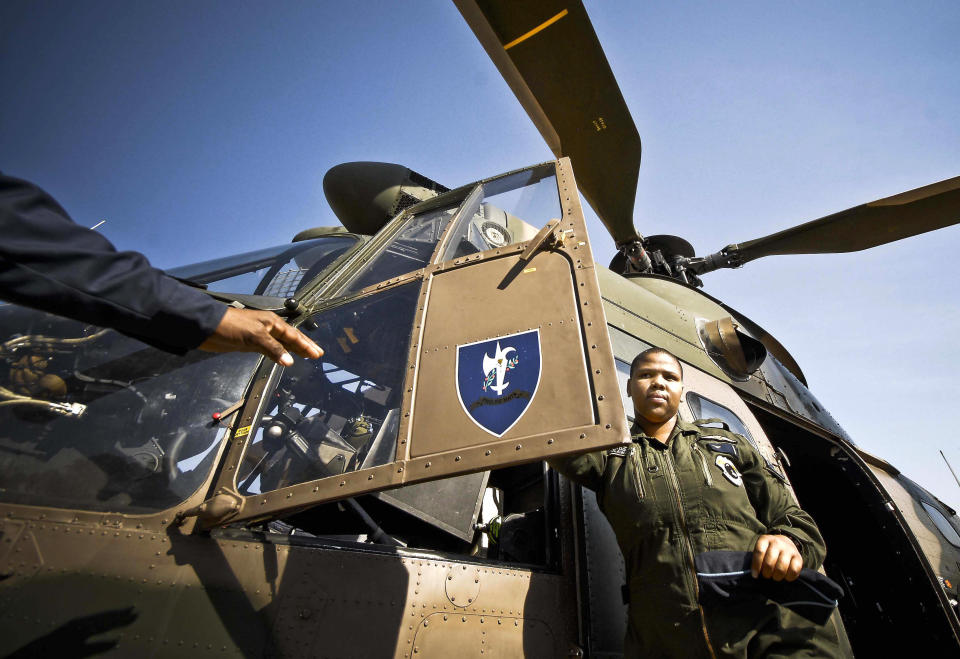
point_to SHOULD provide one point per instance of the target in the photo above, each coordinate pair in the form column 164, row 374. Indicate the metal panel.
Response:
column 552, row 290
column 451, row 504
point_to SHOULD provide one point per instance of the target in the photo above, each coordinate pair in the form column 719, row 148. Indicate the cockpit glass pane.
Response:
column 275, row 271
column 704, row 408
column 95, row 420
column 410, row 249
column 942, row 524
column 339, row 413
column 510, row 209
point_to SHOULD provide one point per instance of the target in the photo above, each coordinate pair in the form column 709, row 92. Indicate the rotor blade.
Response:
column 549, row 55
column 861, row 227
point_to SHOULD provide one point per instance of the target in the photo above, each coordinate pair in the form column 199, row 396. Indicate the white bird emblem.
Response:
column 495, row 368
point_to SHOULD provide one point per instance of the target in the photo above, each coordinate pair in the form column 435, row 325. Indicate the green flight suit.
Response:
column 668, row 503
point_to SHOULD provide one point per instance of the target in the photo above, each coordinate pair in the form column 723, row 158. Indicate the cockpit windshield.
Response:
column 502, row 211
column 275, row 271
column 92, row 419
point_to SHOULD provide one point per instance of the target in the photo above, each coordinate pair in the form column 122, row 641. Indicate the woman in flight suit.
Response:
column 693, row 504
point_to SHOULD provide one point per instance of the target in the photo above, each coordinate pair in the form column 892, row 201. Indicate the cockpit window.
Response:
column 943, row 524
column 339, row 413
column 275, row 271
column 504, row 211
column 95, row 420
column 409, row 250
column 704, row 408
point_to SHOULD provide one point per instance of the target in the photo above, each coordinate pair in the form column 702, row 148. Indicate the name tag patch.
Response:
column 729, row 449
column 621, row 451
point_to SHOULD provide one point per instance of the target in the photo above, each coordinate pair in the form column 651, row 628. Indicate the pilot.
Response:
column 48, row 262
column 720, row 560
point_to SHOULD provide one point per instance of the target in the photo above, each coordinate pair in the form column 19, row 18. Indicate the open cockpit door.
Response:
column 467, row 335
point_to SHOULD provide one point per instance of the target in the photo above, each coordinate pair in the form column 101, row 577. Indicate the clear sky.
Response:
column 201, row 129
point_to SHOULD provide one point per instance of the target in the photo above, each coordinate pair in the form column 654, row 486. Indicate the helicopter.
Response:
column 249, row 530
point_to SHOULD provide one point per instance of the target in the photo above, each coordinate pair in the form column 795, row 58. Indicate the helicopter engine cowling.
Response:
column 366, row 195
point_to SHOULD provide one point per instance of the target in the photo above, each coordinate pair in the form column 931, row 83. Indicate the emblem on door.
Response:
column 498, row 378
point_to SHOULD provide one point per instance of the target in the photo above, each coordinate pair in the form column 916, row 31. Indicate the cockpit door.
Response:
column 504, row 359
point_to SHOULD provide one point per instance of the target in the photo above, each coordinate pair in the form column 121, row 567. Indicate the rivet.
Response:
column 519, row 446
column 600, row 397
column 583, row 435
column 426, row 466
column 550, row 441
column 457, row 459
column 607, row 426
column 487, row 452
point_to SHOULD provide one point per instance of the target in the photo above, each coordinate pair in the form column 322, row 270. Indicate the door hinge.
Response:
column 219, row 508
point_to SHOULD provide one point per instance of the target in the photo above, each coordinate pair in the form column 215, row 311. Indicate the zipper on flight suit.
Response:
column 636, row 455
column 687, row 545
column 707, row 478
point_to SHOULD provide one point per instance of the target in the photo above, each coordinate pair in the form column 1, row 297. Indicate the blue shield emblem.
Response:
column 498, row 378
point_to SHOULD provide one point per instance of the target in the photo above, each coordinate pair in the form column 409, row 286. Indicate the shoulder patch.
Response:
column 729, row 470
column 620, row 451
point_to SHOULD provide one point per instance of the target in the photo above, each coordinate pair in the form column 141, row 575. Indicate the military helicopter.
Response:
column 164, row 505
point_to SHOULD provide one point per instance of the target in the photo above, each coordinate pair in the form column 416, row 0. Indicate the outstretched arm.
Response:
column 48, row 262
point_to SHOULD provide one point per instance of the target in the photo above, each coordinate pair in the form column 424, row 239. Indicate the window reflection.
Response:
column 409, row 250
column 507, row 210
column 704, row 408
column 95, row 420
column 277, row 271
column 942, row 524
column 339, row 413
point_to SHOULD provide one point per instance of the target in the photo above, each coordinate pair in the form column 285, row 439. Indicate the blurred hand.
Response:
column 776, row 557
column 246, row 330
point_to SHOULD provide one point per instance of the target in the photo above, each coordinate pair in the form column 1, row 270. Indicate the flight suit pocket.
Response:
column 702, row 461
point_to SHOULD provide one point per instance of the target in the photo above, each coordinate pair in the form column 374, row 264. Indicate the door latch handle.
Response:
column 548, row 234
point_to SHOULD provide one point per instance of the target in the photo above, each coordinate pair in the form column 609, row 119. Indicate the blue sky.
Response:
column 200, row 129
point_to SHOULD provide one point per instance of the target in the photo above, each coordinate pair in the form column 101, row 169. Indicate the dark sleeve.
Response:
column 48, row 262
column 777, row 509
column 585, row 469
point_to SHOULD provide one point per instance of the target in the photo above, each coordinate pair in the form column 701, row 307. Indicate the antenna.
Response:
column 950, row 468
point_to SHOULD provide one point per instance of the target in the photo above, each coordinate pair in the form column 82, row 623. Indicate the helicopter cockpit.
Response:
column 95, row 420
column 92, row 418
column 342, row 414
